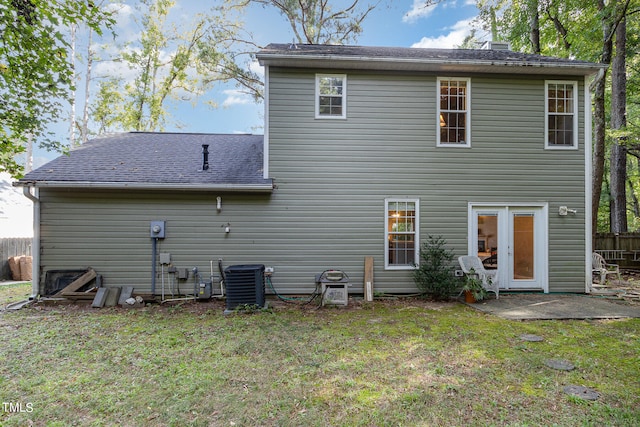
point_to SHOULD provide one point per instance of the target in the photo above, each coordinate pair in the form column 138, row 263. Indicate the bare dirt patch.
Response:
column 273, row 304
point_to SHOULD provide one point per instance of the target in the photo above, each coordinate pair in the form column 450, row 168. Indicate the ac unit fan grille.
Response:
column 245, row 285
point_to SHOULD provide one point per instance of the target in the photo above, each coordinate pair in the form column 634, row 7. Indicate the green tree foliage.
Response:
column 171, row 61
column 434, row 276
column 585, row 30
column 36, row 76
column 185, row 61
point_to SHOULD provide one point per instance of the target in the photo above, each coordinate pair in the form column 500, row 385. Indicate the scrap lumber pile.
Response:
column 81, row 287
column 88, row 287
column 632, row 288
column 627, row 289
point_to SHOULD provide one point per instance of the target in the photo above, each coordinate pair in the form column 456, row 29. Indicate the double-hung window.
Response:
column 331, row 96
column 561, row 127
column 454, row 115
column 401, row 233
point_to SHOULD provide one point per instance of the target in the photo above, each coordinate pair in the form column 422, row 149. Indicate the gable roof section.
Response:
column 419, row 59
column 147, row 160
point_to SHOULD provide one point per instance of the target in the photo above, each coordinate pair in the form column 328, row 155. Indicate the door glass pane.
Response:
column 488, row 240
column 523, row 251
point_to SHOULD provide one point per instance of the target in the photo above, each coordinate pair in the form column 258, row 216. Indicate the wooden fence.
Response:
column 620, row 248
column 12, row 247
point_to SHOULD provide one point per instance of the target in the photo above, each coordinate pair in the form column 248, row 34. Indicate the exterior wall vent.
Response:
column 205, row 157
column 244, row 285
column 492, row 45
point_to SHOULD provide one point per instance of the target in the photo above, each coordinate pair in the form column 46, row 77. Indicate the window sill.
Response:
column 561, row 147
column 331, row 117
column 400, row 267
column 453, row 145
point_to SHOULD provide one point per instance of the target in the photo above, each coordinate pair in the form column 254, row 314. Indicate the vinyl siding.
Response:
column 110, row 231
column 386, row 148
column 332, row 178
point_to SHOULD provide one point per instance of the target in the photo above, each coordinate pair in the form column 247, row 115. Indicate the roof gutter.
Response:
column 267, row 187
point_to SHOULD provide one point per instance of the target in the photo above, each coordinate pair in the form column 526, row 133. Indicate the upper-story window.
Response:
column 331, row 96
column 561, row 114
column 454, row 116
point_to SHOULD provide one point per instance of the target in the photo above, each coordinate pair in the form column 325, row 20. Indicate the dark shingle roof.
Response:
column 402, row 58
column 145, row 160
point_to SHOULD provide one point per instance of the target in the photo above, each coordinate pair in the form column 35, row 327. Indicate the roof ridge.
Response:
column 142, row 132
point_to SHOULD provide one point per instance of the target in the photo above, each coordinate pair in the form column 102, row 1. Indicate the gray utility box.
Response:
column 203, row 291
column 333, row 287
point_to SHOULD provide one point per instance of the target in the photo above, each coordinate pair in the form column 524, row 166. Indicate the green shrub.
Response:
column 434, row 276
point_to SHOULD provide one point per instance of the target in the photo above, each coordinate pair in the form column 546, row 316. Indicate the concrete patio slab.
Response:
column 556, row 306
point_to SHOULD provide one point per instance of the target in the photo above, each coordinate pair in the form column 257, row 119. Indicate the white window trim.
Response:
column 344, row 97
column 548, row 146
column 416, row 255
column 468, row 119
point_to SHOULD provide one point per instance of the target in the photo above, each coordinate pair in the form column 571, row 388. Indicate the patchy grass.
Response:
column 14, row 293
column 407, row 363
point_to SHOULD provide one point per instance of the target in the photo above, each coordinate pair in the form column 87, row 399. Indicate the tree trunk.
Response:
column 618, row 121
column 599, row 128
column 534, row 20
column 635, row 203
column 72, row 113
column 84, row 127
column 28, row 167
column 599, row 120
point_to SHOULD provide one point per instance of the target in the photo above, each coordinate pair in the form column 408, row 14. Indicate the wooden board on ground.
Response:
column 368, row 278
column 78, row 283
column 81, row 295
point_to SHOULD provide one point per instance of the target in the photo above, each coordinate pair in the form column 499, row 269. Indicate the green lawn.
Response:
column 389, row 363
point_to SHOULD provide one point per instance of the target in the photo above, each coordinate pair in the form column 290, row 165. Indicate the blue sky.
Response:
column 403, row 23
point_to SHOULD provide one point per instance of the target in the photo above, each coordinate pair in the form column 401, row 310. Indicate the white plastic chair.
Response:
column 489, row 278
column 604, row 269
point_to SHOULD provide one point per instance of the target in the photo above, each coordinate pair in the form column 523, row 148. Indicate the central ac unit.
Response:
column 244, row 285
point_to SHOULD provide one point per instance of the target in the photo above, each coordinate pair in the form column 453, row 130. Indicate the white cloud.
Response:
column 123, row 12
column 236, row 97
column 455, row 37
column 419, row 9
column 255, row 67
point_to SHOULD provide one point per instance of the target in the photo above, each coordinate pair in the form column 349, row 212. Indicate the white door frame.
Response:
column 505, row 213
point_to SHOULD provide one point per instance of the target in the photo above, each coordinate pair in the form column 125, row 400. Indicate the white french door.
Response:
column 513, row 240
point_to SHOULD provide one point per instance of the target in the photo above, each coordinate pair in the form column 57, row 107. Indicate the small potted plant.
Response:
column 473, row 289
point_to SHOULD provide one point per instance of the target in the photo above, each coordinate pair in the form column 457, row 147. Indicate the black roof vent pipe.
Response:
column 205, row 157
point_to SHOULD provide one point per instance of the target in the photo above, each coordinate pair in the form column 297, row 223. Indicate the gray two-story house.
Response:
column 366, row 152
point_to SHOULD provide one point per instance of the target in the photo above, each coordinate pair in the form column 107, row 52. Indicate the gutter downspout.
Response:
column 588, row 187
column 35, row 244
column 267, row 120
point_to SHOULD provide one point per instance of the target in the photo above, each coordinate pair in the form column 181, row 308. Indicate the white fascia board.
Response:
column 435, row 65
column 148, row 186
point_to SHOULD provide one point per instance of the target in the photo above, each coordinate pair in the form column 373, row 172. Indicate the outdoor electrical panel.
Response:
column 183, row 273
column 157, row 229
column 165, row 258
